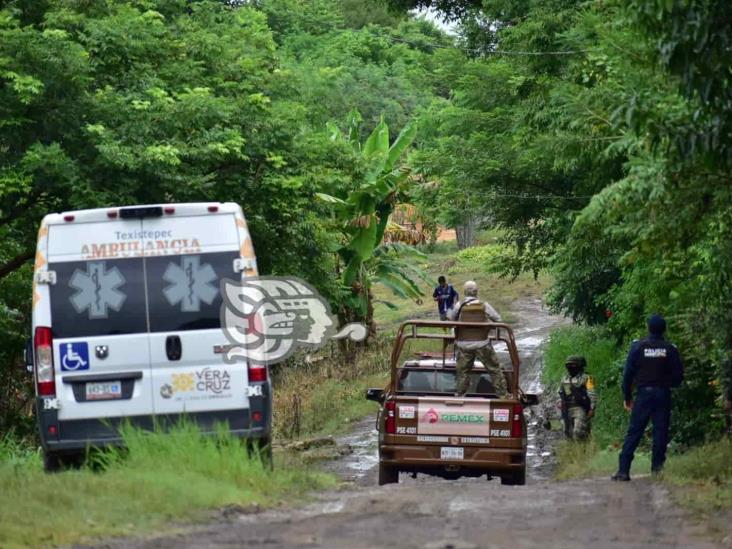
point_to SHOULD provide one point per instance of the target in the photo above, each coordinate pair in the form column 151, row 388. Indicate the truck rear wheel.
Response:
column 515, row 479
column 388, row 475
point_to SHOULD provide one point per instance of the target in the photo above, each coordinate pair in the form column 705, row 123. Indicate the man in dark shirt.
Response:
column 654, row 367
column 445, row 296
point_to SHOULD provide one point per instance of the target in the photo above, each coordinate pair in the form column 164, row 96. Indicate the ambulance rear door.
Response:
column 98, row 319
column 187, row 256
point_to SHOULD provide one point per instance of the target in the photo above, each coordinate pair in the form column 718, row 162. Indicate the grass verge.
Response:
column 586, row 459
column 703, row 476
column 158, row 478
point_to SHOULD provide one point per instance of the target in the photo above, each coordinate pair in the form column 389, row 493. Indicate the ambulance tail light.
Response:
column 213, row 209
column 390, row 408
column 517, row 425
column 257, row 373
column 45, row 377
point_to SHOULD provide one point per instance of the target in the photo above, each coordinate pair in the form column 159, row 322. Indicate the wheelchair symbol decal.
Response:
column 74, row 357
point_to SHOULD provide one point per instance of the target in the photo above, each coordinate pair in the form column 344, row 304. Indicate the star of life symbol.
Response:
column 190, row 283
column 266, row 319
column 97, row 290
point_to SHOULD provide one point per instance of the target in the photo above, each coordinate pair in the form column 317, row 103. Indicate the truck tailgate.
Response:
column 467, row 421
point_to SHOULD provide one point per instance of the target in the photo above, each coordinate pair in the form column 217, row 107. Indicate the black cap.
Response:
column 656, row 325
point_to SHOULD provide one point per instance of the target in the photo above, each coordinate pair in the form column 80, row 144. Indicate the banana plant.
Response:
column 363, row 216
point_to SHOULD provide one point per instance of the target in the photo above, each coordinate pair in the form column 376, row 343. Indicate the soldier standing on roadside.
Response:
column 654, row 367
column 577, row 392
column 474, row 342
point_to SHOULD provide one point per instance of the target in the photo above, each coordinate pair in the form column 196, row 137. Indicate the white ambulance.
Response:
column 126, row 309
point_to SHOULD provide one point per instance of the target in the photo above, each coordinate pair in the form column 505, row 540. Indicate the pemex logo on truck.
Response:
column 434, row 419
column 431, row 416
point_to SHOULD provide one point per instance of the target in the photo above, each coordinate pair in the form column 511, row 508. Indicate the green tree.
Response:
column 362, row 216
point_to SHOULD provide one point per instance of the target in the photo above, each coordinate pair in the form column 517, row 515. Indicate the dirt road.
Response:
column 470, row 513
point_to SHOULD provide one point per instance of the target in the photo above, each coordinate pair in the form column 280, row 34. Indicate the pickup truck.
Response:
column 424, row 428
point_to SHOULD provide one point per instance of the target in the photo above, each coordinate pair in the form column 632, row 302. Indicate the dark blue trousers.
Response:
column 654, row 404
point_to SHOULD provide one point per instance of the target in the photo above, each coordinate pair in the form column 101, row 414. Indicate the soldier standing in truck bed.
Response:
column 577, row 393
column 474, row 342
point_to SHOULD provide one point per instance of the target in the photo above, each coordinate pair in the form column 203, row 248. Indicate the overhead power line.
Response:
column 484, row 51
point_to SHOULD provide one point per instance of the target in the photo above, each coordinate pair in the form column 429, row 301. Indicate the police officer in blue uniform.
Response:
column 654, row 367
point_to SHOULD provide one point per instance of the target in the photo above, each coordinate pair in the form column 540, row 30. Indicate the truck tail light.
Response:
column 517, row 425
column 390, row 408
column 257, row 372
column 45, row 377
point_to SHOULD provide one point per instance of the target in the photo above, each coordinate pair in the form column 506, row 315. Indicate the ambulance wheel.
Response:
column 260, row 448
column 51, row 462
column 265, row 453
column 388, row 475
column 515, row 479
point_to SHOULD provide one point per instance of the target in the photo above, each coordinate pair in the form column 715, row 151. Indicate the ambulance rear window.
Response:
column 93, row 298
column 183, row 290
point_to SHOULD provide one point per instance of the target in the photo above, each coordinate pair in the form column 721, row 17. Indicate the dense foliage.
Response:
column 147, row 101
column 597, row 135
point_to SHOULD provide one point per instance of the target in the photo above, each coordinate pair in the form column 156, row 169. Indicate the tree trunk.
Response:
column 465, row 233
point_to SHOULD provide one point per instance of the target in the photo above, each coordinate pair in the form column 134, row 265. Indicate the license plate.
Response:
column 452, row 452
column 106, row 390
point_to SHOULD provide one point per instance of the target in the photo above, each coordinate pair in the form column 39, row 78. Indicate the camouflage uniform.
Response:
column 576, row 422
column 472, row 343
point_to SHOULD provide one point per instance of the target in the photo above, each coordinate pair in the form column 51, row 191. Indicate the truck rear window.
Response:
column 431, row 381
column 92, row 298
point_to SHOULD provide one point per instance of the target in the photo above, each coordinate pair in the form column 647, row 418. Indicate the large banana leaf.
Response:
column 402, row 143
column 364, row 241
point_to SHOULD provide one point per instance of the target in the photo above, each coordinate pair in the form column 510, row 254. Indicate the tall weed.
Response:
column 312, row 398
